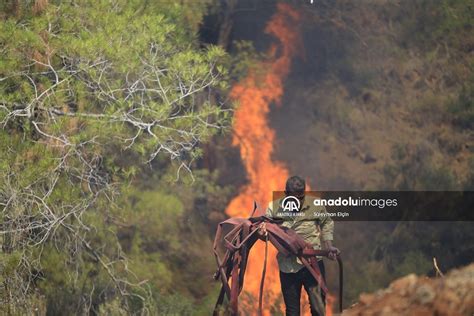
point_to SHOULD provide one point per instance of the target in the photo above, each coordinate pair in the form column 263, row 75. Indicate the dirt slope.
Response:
column 417, row 295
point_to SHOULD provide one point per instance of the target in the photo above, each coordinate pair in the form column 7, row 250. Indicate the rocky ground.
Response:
column 450, row 295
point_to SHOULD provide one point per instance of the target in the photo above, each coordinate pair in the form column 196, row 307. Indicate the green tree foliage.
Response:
column 91, row 91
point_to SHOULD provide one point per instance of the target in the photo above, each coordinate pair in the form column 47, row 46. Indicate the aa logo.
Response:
column 290, row 204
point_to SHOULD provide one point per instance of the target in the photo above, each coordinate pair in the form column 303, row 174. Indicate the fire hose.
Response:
column 238, row 242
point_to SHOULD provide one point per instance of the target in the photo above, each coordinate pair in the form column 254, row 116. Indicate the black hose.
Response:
column 341, row 281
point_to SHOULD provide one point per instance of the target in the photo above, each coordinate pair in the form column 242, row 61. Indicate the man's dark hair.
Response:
column 295, row 184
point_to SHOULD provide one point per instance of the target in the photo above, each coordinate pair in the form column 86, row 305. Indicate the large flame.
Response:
column 254, row 94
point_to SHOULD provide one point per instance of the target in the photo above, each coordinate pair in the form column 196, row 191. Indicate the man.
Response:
column 315, row 229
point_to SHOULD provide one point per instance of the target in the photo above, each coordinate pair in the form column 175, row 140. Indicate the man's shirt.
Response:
column 308, row 223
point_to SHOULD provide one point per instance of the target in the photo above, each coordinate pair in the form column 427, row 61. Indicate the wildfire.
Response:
column 255, row 93
column 251, row 133
column 330, row 300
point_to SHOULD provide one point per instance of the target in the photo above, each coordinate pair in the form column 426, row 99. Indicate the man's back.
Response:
column 309, row 222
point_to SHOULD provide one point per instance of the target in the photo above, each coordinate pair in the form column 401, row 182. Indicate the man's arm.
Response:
column 327, row 235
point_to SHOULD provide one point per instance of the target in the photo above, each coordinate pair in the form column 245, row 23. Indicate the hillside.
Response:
column 379, row 98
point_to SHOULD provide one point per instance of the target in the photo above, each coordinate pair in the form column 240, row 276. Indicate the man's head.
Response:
column 295, row 186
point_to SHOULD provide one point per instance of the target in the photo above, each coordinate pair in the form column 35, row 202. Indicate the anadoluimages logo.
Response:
column 290, row 204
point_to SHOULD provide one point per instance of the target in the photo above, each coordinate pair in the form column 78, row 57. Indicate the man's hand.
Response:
column 333, row 251
column 262, row 230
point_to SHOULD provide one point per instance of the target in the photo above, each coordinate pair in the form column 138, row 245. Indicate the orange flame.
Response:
column 254, row 94
column 255, row 138
column 330, row 300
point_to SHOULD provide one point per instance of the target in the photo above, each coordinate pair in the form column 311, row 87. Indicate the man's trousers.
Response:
column 291, row 284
